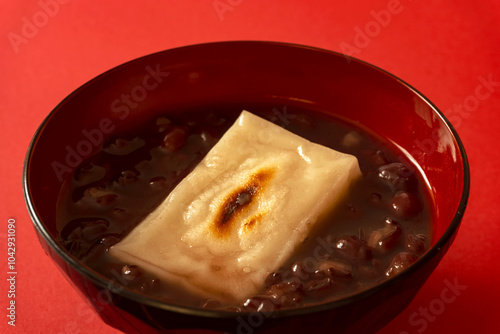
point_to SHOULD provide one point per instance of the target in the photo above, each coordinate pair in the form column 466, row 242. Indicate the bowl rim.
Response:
column 104, row 283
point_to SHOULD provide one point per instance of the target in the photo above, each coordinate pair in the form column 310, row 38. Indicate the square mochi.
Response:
column 241, row 213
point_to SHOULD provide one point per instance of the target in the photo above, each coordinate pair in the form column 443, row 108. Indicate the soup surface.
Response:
column 380, row 228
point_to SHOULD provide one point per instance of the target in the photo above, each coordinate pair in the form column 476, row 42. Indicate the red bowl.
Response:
column 232, row 72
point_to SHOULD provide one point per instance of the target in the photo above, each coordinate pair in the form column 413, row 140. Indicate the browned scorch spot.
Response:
column 239, row 200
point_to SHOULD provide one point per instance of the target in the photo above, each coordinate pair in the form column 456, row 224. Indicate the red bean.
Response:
column 262, row 303
column 416, row 243
column 405, row 205
column 94, row 229
column 175, row 139
column 110, row 239
column 300, row 271
column 400, row 262
column 397, row 176
column 158, row 183
column 207, row 139
column 319, row 285
column 127, row 176
column 131, row 272
column 354, row 248
column 376, row 200
column 386, row 238
column 273, row 278
column 94, row 193
column 119, row 212
column 162, row 124
column 99, row 246
column 284, row 287
column 107, row 199
column 378, row 158
column 336, row 268
column 287, row 293
column 319, row 274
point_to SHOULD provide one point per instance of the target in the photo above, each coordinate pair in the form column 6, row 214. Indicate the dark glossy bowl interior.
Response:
column 235, row 72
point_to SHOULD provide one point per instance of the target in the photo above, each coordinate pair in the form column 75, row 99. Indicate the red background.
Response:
column 443, row 48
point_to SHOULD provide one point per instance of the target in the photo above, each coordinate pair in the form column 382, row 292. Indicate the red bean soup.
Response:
column 380, row 228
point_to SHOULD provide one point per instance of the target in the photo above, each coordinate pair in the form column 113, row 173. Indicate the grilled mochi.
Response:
column 241, row 213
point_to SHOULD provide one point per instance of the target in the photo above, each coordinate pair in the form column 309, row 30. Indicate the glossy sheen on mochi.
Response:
column 241, row 213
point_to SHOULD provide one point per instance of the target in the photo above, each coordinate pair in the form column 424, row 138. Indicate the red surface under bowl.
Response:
column 257, row 72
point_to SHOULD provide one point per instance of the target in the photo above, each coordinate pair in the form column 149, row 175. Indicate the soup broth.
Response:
column 382, row 226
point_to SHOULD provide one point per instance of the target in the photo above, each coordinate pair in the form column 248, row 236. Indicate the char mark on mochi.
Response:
column 239, row 200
